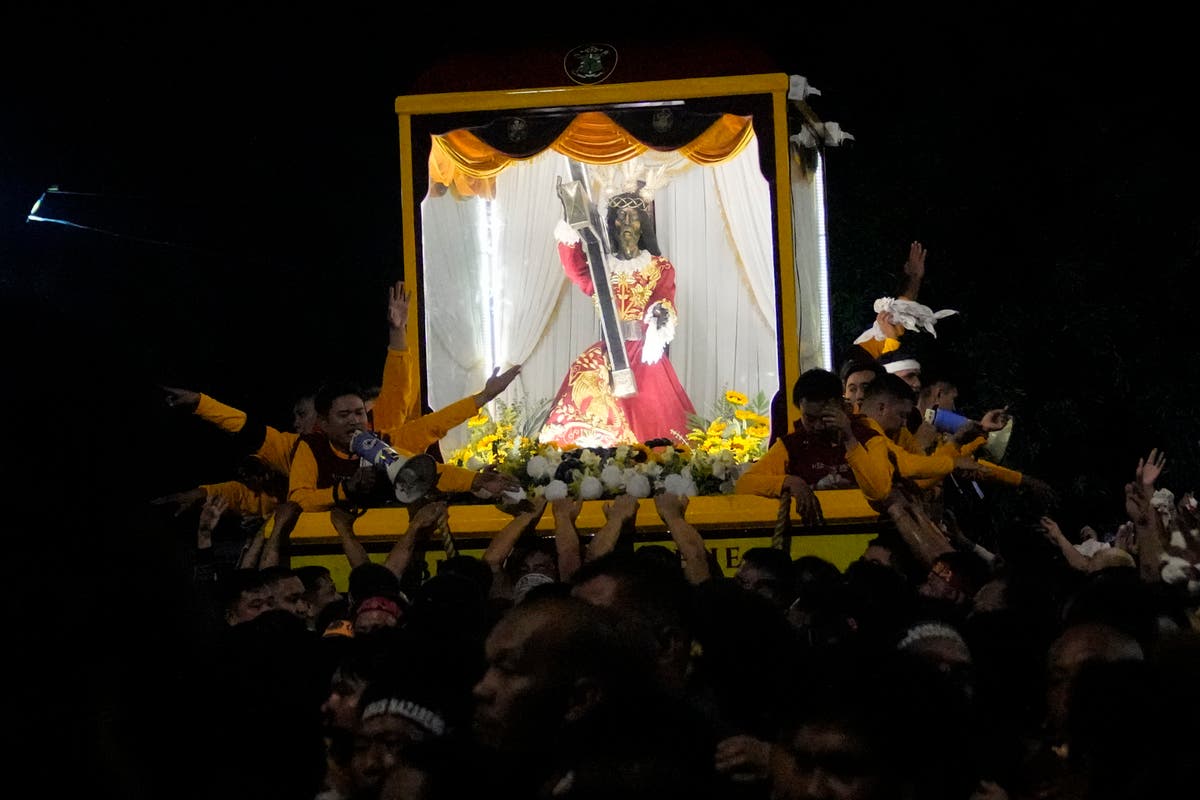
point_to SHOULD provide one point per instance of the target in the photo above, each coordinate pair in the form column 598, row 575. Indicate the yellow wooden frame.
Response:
column 731, row 522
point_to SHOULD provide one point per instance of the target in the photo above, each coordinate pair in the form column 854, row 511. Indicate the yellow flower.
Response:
column 761, row 420
column 736, row 398
column 717, row 427
column 486, row 442
column 744, row 414
column 479, row 419
column 759, row 431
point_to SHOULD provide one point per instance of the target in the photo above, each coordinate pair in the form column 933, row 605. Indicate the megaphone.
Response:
column 411, row 476
column 997, row 441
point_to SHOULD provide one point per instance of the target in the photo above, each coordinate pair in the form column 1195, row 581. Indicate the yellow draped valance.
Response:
column 466, row 165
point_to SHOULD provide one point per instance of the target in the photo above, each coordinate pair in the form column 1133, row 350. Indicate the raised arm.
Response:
column 418, row 433
column 210, row 515
column 271, row 445
column 502, row 544
column 914, row 272
column 421, row 524
column 619, row 516
column 1147, row 523
column 283, row 522
column 566, row 535
column 182, row 501
column 672, row 509
column 1075, row 559
column 343, row 522
column 923, row 538
column 399, row 396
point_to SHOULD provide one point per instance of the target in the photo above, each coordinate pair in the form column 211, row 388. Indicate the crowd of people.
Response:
column 941, row 663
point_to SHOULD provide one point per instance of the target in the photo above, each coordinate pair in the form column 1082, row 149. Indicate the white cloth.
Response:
column 908, row 313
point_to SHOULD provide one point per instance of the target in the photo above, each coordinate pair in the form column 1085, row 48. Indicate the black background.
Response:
column 1047, row 162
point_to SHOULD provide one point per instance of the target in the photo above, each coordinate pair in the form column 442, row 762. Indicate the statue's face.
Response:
column 629, row 227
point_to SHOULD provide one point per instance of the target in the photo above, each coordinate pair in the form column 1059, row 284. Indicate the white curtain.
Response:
column 812, row 291
column 496, row 294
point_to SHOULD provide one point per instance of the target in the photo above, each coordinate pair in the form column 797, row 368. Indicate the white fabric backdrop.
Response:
column 496, row 295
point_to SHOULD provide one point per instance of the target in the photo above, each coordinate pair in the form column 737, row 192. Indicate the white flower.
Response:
column 1163, row 501
column 590, row 488
column 589, row 459
column 475, row 463
column 613, row 477
column 718, row 467
column 1175, row 569
column 555, row 490
column 680, row 484
column 538, row 467
column 637, row 485
column 651, row 469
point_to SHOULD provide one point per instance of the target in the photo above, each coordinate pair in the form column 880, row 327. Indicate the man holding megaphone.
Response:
column 346, row 464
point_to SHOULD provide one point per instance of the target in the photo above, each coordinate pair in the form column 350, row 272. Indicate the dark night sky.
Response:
column 1048, row 163
column 1045, row 161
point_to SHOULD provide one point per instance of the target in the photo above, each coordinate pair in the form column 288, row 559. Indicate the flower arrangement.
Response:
column 720, row 449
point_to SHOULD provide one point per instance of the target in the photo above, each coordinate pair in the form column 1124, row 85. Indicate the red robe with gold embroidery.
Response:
column 585, row 413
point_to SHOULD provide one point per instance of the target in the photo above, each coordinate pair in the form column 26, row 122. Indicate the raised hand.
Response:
column 624, row 507
column 181, row 500
column 429, row 517
column 1137, row 504
column 565, row 509
column 1051, row 529
column 995, row 419
column 1149, row 469
column 341, row 519
column 211, row 511
column 670, row 505
column 489, row 483
column 185, row 399
column 1126, row 537
column 398, row 302
column 890, row 329
column 914, row 267
column 497, row 383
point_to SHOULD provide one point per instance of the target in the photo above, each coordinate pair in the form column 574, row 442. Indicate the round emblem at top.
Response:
column 590, row 63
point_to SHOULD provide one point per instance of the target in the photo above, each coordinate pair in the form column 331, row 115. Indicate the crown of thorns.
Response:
column 627, row 201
